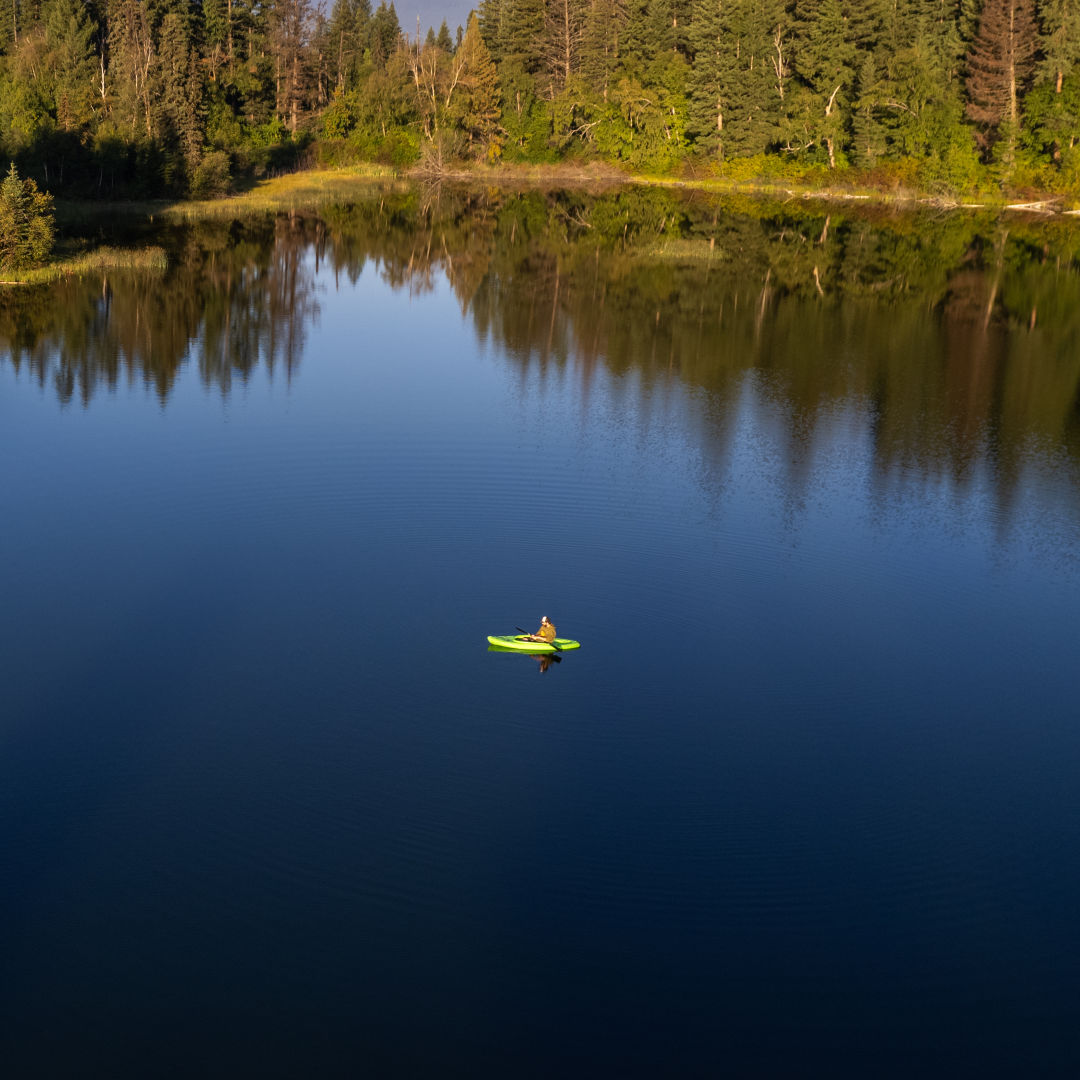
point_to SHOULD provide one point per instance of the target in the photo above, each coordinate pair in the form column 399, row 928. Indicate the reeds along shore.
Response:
column 89, row 262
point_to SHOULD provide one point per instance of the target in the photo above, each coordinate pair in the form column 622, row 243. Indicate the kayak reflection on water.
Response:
column 545, row 660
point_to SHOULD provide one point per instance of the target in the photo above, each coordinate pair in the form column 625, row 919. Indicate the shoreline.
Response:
column 310, row 189
column 605, row 175
column 313, row 187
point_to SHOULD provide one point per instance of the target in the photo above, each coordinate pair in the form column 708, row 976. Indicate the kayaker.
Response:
column 546, row 631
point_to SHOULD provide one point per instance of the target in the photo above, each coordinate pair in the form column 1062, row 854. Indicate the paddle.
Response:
column 537, row 638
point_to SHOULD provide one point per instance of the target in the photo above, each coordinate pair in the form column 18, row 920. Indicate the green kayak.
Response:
column 521, row 643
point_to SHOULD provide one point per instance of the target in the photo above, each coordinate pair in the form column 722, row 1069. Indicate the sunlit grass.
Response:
column 90, row 262
column 294, row 191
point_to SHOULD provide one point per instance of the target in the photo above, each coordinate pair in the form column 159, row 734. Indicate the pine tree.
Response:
column 477, row 108
column 1060, row 40
column 346, row 38
column 602, row 38
column 26, row 223
column 640, row 44
column 827, row 61
column 522, row 28
column 217, row 31
column 131, row 61
column 1000, row 62
column 655, row 28
column 385, row 34
column 739, row 74
column 670, row 22
column 10, row 25
column 560, row 46
column 1052, row 108
column 290, row 27
column 178, row 90
column 69, row 39
column 714, row 74
column 917, row 64
column 489, row 14
column 868, row 135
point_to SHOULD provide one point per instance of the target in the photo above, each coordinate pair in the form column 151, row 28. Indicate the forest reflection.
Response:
column 234, row 295
column 958, row 334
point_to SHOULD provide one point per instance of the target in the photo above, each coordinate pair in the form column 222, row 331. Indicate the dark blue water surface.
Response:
column 805, row 802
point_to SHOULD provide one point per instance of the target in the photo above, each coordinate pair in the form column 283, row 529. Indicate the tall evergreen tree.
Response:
column 1059, row 40
column 489, row 14
column 739, row 74
column 1000, row 62
column 477, row 108
column 178, row 90
column 827, row 62
column 868, row 141
column 131, row 62
column 521, row 29
column 560, row 46
column 603, row 36
column 69, row 38
column 217, row 31
column 715, row 73
column 290, row 27
column 385, row 33
column 347, row 34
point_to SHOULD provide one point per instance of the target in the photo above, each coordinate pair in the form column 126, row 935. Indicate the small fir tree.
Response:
column 26, row 223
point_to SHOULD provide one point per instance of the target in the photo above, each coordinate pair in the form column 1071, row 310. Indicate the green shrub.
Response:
column 26, row 223
column 212, row 176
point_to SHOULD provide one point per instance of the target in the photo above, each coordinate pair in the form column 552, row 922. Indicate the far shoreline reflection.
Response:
column 956, row 338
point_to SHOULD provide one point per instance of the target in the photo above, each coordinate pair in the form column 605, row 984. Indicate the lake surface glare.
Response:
column 805, row 801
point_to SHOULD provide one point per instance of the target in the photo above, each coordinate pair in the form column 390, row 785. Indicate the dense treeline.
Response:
column 137, row 96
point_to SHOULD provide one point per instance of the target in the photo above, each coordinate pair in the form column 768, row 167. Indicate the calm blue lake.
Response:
column 806, row 486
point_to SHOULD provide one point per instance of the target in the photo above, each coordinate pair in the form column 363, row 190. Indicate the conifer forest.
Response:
column 131, row 98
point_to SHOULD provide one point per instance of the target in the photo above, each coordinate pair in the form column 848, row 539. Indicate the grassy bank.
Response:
column 305, row 190
column 308, row 189
column 90, row 262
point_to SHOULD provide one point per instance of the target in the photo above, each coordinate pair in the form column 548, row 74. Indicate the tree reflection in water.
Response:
column 959, row 335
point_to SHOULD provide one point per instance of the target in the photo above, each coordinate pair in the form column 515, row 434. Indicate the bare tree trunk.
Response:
column 1013, row 110
column 567, row 42
column 780, row 67
column 828, row 138
column 294, row 91
column 278, row 103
